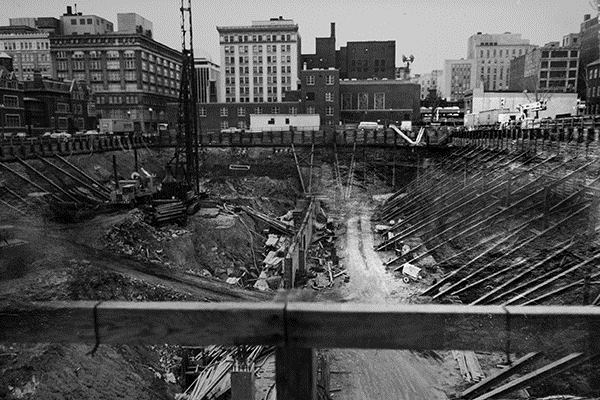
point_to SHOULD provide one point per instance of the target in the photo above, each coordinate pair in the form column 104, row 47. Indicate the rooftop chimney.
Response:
column 332, row 34
column 586, row 17
column 69, row 10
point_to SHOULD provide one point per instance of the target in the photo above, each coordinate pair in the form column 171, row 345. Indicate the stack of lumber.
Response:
column 173, row 211
column 469, row 366
column 215, row 379
column 275, row 224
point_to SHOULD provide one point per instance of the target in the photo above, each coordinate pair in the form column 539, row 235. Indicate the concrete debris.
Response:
column 261, row 283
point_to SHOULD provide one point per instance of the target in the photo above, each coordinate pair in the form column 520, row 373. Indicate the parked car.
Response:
column 369, row 126
column 231, row 130
column 91, row 132
column 21, row 135
column 61, row 135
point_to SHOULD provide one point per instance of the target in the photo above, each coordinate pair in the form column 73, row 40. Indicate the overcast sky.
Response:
column 431, row 30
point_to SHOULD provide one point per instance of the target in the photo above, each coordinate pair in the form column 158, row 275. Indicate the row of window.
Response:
column 558, row 53
column 501, row 53
column 362, row 101
column 258, row 69
column 12, row 121
column 243, row 111
column 257, row 59
column 117, row 99
column 258, row 38
column 310, row 80
column 127, row 54
column 30, row 57
column 258, row 49
column 27, row 45
column 10, row 101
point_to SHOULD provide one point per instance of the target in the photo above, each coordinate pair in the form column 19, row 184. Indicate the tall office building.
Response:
column 29, row 48
column 132, row 76
column 492, row 54
column 207, row 80
column 260, row 61
column 459, row 77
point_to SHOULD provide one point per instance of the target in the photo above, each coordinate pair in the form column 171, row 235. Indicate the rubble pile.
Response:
column 136, row 238
column 322, row 261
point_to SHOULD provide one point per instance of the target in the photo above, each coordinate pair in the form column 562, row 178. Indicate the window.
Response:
column 224, row 112
column 329, row 80
column 310, row 110
column 293, row 110
column 328, row 96
column 62, row 107
column 11, row 120
column 62, row 123
column 202, row 111
column 347, row 101
column 258, row 110
column 242, row 124
column 363, row 101
column 241, row 112
column 11, row 101
column 224, row 124
column 310, row 80
column 73, row 21
column 275, row 110
column 379, row 101
column 329, row 111
column 89, row 21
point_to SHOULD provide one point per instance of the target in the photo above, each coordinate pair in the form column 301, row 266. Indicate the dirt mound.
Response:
column 51, row 371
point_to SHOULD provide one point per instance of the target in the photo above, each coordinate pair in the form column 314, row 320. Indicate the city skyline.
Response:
column 445, row 37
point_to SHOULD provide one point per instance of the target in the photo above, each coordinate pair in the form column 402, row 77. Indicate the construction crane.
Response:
column 184, row 166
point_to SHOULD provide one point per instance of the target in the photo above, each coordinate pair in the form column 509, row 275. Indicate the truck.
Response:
column 116, row 126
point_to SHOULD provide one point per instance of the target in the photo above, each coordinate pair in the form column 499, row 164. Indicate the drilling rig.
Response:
column 183, row 169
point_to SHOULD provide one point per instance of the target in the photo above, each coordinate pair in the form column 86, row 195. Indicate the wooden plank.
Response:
column 538, row 375
column 553, row 330
column 189, row 323
column 491, row 381
column 522, row 274
column 551, row 280
column 296, row 373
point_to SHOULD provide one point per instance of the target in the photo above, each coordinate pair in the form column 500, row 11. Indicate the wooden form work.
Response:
column 551, row 329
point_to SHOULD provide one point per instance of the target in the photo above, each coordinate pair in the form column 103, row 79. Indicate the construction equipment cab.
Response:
column 369, row 126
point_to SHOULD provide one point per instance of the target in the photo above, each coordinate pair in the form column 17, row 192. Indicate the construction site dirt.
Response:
column 473, row 224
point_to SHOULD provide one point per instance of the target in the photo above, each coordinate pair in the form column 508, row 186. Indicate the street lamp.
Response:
column 151, row 115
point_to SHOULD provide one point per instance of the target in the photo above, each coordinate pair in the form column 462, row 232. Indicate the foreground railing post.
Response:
column 296, row 373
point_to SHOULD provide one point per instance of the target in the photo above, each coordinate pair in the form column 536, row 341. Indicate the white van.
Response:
column 369, row 126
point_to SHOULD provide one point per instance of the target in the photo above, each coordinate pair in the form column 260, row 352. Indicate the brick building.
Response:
column 215, row 117
column 589, row 50
column 370, row 59
column 57, row 105
column 325, row 53
column 551, row 68
column 593, row 88
column 320, row 94
column 12, row 108
column 385, row 100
